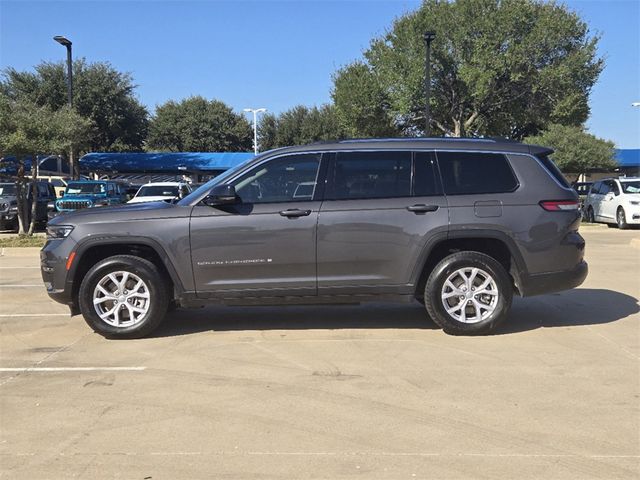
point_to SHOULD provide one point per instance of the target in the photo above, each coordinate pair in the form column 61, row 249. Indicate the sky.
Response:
column 276, row 54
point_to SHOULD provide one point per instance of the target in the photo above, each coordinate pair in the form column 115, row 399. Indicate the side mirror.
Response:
column 221, row 195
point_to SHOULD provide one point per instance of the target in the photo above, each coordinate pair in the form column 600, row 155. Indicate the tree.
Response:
column 199, row 125
column 499, row 67
column 362, row 105
column 27, row 129
column 576, row 151
column 299, row 125
column 101, row 94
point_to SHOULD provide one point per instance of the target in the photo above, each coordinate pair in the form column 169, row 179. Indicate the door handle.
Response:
column 295, row 212
column 422, row 208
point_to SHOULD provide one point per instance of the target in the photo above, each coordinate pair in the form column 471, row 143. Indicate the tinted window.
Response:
column 371, row 175
column 551, row 167
column 595, row 188
column 286, row 179
column 465, row 173
column 605, row 188
column 614, row 188
column 425, row 181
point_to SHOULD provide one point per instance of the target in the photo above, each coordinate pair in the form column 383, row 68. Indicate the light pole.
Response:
column 428, row 38
column 67, row 44
column 255, row 112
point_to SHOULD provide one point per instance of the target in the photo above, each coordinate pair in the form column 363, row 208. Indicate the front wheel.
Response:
column 468, row 293
column 621, row 219
column 123, row 297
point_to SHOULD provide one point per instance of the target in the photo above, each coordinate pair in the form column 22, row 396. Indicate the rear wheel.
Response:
column 468, row 293
column 621, row 219
column 590, row 218
column 123, row 297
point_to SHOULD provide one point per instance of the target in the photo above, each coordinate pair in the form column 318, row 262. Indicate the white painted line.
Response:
column 8, row 268
column 35, row 315
column 74, row 369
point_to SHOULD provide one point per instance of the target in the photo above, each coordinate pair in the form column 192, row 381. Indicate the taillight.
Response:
column 560, row 205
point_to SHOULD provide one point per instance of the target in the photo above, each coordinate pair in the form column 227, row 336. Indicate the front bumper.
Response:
column 59, row 285
column 542, row 283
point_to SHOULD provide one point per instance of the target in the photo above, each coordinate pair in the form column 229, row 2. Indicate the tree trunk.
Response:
column 457, row 127
column 20, row 197
column 34, row 194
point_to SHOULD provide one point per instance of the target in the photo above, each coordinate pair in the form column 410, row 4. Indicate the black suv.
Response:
column 457, row 224
column 9, row 203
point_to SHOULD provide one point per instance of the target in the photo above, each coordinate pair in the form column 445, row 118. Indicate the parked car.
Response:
column 161, row 192
column 461, row 225
column 9, row 203
column 90, row 193
column 614, row 201
column 582, row 189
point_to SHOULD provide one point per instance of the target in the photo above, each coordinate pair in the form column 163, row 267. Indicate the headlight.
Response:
column 13, row 208
column 59, row 231
column 51, row 206
column 4, row 206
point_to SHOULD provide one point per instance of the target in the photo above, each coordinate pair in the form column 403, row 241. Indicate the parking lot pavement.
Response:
column 328, row 392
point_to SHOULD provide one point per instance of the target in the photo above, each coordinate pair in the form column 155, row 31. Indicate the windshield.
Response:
column 631, row 187
column 201, row 190
column 7, row 189
column 158, row 191
column 85, row 188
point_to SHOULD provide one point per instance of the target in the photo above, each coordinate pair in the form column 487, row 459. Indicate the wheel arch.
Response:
column 92, row 250
column 496, row 244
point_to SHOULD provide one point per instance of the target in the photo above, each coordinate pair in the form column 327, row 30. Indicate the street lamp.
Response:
column 635, row 104
column 428, row 38
column 255, row 112
column 65, row 42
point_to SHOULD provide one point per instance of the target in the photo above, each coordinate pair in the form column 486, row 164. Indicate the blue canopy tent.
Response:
column 199, row 163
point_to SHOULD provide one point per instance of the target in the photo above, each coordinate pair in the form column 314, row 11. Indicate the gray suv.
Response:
column 459, row 225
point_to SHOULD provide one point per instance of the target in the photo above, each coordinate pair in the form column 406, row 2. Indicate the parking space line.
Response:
column 10, row 268
column 72, row 369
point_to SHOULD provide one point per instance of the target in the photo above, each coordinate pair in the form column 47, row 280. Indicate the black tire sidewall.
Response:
column 446, row 267
column 144, row 269
column 621, row 225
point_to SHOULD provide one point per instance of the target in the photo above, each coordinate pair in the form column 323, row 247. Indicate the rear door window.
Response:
column 471, row 173
column 364, row 175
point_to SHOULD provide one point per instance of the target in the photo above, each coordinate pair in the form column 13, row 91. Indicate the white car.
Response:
column 614, row 201
column 161, row 192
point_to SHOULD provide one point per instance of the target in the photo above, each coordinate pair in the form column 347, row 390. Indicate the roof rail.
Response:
column 418, row 139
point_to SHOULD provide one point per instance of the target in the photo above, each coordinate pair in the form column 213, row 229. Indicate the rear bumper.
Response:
column 542, row 283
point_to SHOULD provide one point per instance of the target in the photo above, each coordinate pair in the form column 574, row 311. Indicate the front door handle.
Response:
column 295, row 212
column 422, row 208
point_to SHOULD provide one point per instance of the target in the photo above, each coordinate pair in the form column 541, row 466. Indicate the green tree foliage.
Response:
column 199, row 125
column 499, row 67
column 361, row 102
column 299, row 125
column 101, row 94
column 576, row 151
column 27, row 129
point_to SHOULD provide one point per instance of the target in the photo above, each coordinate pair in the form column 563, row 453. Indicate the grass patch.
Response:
column 24, row 241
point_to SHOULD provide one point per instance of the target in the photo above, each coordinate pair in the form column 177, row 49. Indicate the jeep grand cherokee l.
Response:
column 459, row 225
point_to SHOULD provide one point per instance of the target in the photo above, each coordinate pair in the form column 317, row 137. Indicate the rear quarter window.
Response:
column 469, row 173
column 553, row 170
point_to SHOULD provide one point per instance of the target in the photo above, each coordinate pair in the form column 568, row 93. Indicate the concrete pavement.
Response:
column 372, row 392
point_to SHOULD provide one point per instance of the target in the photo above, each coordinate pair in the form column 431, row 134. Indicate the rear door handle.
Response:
column 295, row 212
column 422, row 208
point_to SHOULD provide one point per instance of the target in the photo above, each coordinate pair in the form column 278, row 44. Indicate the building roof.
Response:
column 186, row 162
column 628, row 157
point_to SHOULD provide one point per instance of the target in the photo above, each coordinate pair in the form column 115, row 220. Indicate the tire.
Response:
column 132, row 315
column 621, row 219
column 590, row 217
column 469, row 318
